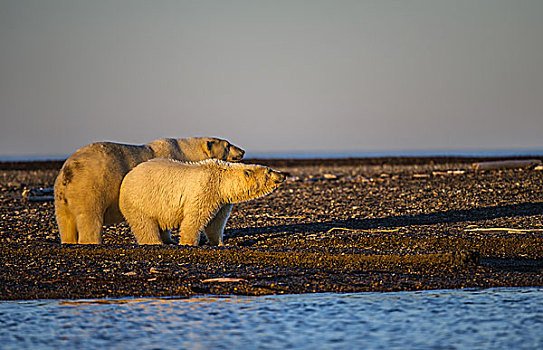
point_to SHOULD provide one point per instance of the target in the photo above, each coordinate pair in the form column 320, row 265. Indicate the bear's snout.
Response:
column 279, row 177
column 236, row 153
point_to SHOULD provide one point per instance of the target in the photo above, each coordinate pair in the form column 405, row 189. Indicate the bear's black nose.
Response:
column 280, row 177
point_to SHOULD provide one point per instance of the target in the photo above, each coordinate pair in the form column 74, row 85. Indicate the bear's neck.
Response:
column 166, row 148
column 235, row 191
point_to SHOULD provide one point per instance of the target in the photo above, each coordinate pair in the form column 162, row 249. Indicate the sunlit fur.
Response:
column 87, row 187
column 165, row 194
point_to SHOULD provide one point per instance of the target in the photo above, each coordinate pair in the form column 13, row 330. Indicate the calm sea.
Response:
column 444, row 319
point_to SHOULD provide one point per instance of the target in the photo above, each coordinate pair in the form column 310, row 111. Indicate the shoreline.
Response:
column 336, row 225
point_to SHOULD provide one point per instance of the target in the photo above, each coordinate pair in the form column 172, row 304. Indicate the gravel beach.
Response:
column 335, row 225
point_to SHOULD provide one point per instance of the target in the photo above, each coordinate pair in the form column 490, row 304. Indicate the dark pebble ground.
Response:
column 348, row 225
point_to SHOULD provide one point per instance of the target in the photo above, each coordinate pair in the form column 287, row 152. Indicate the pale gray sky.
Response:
column 272, row 75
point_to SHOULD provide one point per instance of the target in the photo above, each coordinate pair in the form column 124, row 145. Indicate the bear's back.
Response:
column 169, row 172
column 170, row 167
column 102, row 153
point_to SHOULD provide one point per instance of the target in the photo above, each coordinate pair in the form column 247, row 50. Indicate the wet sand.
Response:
column 344, row 225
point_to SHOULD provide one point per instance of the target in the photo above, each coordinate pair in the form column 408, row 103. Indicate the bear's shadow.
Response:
column 438, row 217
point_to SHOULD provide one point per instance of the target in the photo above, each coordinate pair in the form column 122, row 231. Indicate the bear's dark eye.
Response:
column 209, row 145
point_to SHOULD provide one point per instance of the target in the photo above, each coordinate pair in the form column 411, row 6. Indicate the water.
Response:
column 447, row 319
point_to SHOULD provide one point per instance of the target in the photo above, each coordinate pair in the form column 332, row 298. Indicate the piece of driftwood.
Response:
column 41, row 198
column 223, row 279
column 506, row 164
column 39, row 194
column 503, row 229
column 361, row 230
column 448, row 172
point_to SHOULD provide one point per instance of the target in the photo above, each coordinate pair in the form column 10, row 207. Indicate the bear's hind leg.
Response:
column 66, row 224
column 215, row 228
column 89, row 227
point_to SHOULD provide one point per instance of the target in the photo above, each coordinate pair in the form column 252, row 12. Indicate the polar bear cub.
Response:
column 162, row 194
column 87, row 187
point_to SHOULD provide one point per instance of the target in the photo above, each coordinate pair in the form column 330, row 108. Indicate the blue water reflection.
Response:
column 449, row 319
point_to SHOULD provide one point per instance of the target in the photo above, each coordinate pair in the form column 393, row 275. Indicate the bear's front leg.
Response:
column 215, row 228
column 190, row 228
column 145, row 230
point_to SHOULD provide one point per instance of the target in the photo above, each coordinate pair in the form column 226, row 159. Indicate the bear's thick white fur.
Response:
column 163, row 194
column 87, row 187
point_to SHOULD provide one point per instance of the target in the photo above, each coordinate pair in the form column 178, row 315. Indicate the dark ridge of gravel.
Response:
column 336, row 225
column 380, row 161
column 31, row 165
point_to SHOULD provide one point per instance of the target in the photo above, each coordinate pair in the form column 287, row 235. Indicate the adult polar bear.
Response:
column 87, row 187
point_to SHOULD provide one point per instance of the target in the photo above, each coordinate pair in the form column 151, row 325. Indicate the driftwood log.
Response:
column 506, row 164
column 39, row 194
